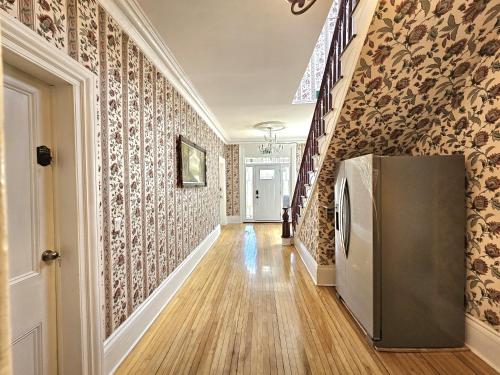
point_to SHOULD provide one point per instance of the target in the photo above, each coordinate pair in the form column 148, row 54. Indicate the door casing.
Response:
column 80, row 331
column 222, row 190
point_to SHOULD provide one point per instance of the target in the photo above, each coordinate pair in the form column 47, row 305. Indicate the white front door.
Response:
column 267, row 193
column 30, row 225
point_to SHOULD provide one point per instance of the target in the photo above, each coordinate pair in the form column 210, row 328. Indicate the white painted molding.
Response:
column 483, row 341
column 257, row 140
column 134, row 21
column 124, row 339
column 233, row 219
column 307, row 259
column 326, row 275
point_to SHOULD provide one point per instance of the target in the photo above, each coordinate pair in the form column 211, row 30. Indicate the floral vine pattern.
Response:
column 232, row 156
column 299, row 152
column 427, row 82
column 9, row 6
column 148, row 225
column 50, row 21
column 308, row 232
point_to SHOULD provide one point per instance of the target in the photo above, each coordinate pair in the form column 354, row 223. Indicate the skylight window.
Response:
column 311, row 81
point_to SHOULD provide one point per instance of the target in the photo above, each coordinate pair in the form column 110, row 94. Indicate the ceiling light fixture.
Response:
column 271, row 145
column 300, row 6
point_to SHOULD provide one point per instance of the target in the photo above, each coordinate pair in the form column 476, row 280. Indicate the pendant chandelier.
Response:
column 271, row 145
column 300, row 6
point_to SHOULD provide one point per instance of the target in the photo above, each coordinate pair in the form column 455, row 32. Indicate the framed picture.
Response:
column 191, row 164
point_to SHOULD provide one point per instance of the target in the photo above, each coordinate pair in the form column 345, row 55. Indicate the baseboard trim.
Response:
column 483, row 341
column 326, row 275
column 320, row 275
column 124, row 339
column 233, row 219
column 307, row 259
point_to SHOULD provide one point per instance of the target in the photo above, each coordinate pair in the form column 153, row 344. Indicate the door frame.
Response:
column 222, row 190
column 78, row 222
column 244, row 188
column 275, row 166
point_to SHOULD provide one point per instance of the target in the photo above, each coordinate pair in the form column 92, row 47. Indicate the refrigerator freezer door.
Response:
column 422, row 243
column 359, row 262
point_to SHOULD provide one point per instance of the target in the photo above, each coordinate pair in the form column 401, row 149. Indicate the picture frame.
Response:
column 191, row 164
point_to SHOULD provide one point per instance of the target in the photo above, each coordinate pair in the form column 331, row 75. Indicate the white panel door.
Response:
column 267, row 193
column 30, row 225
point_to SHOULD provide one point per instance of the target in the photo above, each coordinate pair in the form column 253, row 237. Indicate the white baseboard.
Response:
column 326, row 275
column 233, row 219
column 123, row 340
column 307, row 259
column 321, row 275
column 483, row 340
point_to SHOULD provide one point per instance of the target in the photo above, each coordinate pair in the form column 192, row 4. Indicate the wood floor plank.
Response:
column 250, row 307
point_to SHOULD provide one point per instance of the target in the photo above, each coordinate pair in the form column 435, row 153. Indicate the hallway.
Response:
column 250, row 307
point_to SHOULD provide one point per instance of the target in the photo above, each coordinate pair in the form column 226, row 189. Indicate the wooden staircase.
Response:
column 352, row 25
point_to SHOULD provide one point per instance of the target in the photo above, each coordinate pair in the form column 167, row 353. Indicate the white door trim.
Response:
column 79, row 328
column 222, row 190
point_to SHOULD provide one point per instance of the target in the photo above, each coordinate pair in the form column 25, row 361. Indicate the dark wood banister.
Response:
column 342, row 35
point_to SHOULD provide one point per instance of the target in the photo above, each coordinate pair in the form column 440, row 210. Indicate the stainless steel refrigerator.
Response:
column 400, row 248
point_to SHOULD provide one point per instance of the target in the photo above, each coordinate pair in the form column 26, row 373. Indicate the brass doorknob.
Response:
column 50, row 255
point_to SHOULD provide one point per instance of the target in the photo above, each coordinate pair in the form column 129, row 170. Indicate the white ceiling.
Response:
column 244, row 57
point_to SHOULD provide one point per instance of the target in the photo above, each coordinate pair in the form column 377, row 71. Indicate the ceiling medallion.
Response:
column 300, row 6
column 271, row 144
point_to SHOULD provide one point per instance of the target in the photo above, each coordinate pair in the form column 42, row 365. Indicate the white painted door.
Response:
column 30, row 225
column 222, row 191
column 267, row 193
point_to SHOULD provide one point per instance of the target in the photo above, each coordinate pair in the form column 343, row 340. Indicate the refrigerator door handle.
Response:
column 346, row 212
column 341, row 216
column 345, row 217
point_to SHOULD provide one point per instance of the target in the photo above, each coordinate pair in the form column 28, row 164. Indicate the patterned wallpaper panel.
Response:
column 427, row 82
column 299, row 152
column 308, row 233
column 148, row 225
column 232, row 156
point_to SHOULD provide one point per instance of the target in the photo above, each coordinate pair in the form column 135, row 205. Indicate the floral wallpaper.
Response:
column 308, row 232
column 427, row 82
column 148, row 226
column 51, row 22
column 10, row 7
column 232, row 156
column 326, row 219
column 299, row 152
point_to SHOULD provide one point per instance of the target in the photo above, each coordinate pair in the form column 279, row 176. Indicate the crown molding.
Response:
column 257, row 140
column 132, row 18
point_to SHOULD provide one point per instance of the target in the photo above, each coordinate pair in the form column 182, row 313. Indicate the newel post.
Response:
column 286, row 239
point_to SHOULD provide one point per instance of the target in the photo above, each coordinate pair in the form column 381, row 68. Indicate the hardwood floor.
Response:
column 250, row 307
